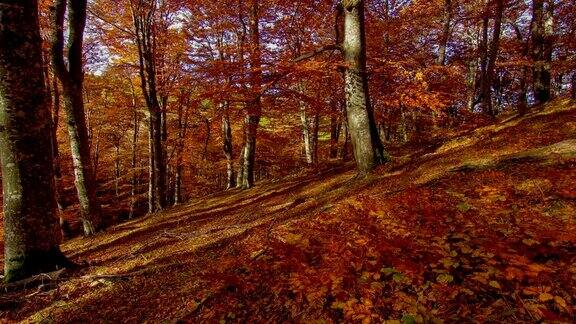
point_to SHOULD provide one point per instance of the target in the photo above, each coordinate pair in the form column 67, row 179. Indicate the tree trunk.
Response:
column 207, row 138
column 446, row 21
column 254, row 109
column 315, row 127
column 72, row 77
column 135, row 132
column 368, row 150
column 143, row 14
column 227, row 148
column 523, row 94
column 542, row 46
column 31, row 230
column 151, row 170
column 240, row 176
column 492, row 56
column 558, row 85
column 344, row 149
column 182, row 127
column 573, row 85
column 335, row 129
column 471, row 73
column 117, row 169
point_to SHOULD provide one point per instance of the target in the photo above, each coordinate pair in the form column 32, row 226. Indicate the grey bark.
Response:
column 31, row 231
column 72, row 78
column 309, row 124
column 368, row 149
column 143, row 14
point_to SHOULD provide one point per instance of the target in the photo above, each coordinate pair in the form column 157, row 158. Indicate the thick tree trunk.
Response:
column 254, row 109
column 143, row 14
column 445, row 37
column 227, row 148
column 368, row 150
column 542, row 46
column 31, row 231
column 72, row 77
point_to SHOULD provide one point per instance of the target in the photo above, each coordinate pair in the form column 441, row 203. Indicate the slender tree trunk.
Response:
column 227, row 148
column 492, row 56
column 542, row 46
column 335, row 128
column 207, row 138
column 558, row 85
column 117, row 169
column 135, row 133
column 483, row 49
column 31, row 230
column 344, row 149
column 573, row 85
column 182, row 127
column 368, row 150
column 315, row 127
column 151, row 171
column 241, row 165
column 445, row 37
column 471, row 73
column 523, row 94
column 72, row 76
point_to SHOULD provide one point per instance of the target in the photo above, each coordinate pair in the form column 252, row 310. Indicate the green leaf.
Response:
column 445, row 278
column 398, row 277
column 495, row 284
column 464, row 207
column 388, row 271
column 408, row 319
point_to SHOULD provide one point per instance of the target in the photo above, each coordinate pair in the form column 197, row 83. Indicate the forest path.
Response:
column 149, row 267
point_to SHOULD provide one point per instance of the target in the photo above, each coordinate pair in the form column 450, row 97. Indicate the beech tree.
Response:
column 368, row 148
column 71, row 75
column 143, row 14
column 254, row 106
column 31, row 230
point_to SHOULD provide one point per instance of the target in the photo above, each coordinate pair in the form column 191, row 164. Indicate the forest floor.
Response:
column 479, row 228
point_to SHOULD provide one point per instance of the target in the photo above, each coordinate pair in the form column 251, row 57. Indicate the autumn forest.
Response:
column 332, row 161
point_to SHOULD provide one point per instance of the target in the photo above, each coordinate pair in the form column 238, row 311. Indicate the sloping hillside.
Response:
column 482, row 228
